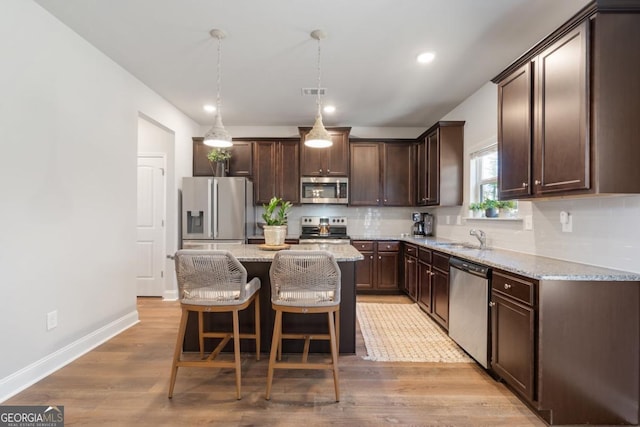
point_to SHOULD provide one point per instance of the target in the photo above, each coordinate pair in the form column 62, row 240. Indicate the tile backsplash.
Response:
column 605, row 230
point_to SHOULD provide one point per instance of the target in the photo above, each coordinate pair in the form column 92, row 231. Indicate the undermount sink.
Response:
column 459, row 245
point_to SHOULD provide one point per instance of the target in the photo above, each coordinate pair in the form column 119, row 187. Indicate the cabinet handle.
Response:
column 328, row 170
column 492, row 304
column 320, row 170
column 362, row 246
column 537, row 182
column 377, row 200
column 379, row 257
column 370, row 256
column 525, row 185
column 507, row 286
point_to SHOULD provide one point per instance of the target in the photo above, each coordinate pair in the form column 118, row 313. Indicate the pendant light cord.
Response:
column 319, row 73
column 219, row 81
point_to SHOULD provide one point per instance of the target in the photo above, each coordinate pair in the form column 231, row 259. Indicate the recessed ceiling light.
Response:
column 329, row 109
column 209, row 108
column 426, row 57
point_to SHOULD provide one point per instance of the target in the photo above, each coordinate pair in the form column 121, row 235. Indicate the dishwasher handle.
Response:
column 470, row 267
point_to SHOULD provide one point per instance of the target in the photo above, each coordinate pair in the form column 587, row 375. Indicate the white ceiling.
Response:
column 368, row 57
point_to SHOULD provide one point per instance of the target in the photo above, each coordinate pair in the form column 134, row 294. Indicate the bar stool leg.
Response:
column 178, row 350
column 277, row 330
column 236, row 351
column 256, row 302
column 334, row 354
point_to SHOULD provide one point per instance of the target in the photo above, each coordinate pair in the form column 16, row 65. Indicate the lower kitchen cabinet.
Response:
column 424, row 279
column 440, row 289
column 379, row 270
column 410, row 280
column 513, row 323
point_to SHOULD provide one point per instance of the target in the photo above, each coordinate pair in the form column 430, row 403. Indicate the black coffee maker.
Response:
column 422, row 224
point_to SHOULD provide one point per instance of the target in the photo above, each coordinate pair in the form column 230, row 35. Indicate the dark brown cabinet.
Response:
column 240, row 164
column 382, row 173
column 513, row 323
column 379, row 270
column 276, row 170
column 440, row 289
column 440, row 165
column 567, row 109
column 424, row 279
column 330, row 161
column 410, row 279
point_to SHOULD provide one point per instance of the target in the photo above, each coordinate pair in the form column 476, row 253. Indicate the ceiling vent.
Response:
column 313, row 91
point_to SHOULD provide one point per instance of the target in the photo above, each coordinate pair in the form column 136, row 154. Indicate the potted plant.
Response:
column 507, row 207
column 490, row 208
column 275, row 218
column 476, row 209
column 218, row 158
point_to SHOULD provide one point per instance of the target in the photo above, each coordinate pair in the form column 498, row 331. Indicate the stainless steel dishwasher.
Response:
column 469, row 307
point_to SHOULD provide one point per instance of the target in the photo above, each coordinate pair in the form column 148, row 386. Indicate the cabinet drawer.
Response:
column 441, row 262
column 515, row 287
column 362, row 245
column 388, row 246
column 411, row 250
column 424, row 255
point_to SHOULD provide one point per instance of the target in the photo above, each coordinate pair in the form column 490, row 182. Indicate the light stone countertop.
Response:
column 533, row 266
column 253, row 253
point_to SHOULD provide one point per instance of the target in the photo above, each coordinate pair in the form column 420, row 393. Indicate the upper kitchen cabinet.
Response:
column 330, row 161
column 382, row 173
column 440, row 164
column 240, row 164
column 277, row 170
column 568, row 109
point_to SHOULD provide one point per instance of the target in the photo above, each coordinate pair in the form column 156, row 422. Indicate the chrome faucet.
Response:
column 481, row 236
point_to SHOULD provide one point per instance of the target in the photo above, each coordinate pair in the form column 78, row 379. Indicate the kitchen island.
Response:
column 257, row 262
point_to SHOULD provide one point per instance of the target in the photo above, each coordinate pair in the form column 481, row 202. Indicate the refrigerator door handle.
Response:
column 209, row 219
column 215, row 208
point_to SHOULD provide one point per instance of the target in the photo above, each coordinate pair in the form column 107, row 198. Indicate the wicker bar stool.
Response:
column 214, row 281
column 305, row 282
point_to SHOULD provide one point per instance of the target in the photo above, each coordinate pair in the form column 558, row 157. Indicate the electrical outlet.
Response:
column 52, row 320
column 528, row 222
column 447, row 219
column 458, row 220
column 566, row 219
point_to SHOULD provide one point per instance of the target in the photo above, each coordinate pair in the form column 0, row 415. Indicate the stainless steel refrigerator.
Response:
column 217, row 209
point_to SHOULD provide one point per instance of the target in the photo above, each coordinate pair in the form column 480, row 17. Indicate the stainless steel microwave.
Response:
column 333, row 190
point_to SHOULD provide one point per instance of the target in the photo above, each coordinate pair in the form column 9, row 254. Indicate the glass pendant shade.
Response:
column 217, row 136
column 318, row 137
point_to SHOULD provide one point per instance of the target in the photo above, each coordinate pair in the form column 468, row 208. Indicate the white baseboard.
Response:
column 29, row 375
column 170, row 295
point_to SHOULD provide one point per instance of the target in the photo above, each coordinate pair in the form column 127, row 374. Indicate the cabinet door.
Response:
column 398, row 174
column 411, row 277
column 264, row 185
column 241, row 162
column 330, row 161
column 288, row 171
column 387, row 270
column 440, row 301
column 514, row 134
column 364, row 182
column 424, row 286
column 432, row 147
column 365, row 271
column 201, row 164
column 561, row 160
column 423, row 179
column 512, row 350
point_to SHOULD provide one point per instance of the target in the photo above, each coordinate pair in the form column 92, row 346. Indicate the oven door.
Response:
column 324, row 190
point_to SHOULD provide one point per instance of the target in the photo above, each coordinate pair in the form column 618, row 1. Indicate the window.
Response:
column 484, row 174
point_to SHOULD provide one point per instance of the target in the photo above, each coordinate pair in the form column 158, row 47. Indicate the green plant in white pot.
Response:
column 275, row 218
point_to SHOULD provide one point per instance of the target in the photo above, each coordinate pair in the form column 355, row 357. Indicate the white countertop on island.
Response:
column 253, row 253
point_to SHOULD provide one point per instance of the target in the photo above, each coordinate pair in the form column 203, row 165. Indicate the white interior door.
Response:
column 150, row 225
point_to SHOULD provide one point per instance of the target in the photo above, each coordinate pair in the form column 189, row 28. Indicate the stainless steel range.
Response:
column 324, row 229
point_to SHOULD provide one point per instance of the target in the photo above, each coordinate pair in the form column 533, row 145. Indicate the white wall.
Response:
column 68, row 132
column 606, row 230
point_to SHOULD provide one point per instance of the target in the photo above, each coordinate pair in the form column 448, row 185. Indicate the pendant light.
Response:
column 318, row 137
column 218, row 136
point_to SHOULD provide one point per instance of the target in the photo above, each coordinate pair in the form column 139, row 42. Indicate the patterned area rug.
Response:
column 404, row 333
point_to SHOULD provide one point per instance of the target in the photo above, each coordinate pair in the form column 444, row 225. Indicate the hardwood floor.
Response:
column 125, row 382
